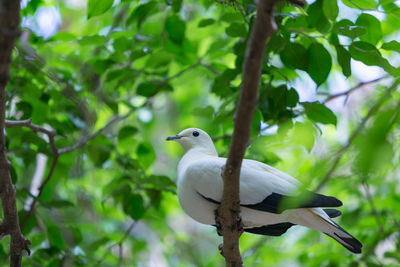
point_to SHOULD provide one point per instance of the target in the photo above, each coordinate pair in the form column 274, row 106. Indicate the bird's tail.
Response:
column 344, row 238
column 332, row 229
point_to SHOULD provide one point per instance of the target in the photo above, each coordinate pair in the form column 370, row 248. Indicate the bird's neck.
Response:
column 202, row 151
column 194, row 154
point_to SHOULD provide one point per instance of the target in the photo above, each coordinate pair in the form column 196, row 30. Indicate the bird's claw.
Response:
column 217, row 223
column 220, row 248
column 219, row 228
column 239, row 223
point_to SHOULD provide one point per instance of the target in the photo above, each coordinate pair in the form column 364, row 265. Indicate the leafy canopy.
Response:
column 172, row 64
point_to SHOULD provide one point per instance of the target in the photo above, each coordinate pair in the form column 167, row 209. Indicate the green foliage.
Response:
column 320, row 63
column 319, row 113
column 147, row 70
column 98, row 7
column 176, row 29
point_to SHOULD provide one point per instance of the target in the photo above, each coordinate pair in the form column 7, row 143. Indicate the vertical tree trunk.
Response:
column 228, row 213
column 9, row 30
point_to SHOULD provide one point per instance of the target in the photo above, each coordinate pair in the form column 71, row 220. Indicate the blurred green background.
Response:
column 328, row 111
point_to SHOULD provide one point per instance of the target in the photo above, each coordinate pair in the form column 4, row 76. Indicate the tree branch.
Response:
column 9, row 31
column 57, row 152
column 351, row 90
column 356, row 132
column 86, row 139
column 227, row 213
column 120, row 242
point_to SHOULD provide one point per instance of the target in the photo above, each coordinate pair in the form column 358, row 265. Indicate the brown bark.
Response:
column 9, row 31
column 227, row 214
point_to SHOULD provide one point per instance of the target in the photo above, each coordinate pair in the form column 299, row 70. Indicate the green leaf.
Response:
column 276, row 43
column 292, row 98
column 127, row 131
column 256, row 123
column 205, row 22
column 302, row 134
column 236, row 30
column 176, row 29
column 141, row 13
column 99, row 150
column 231, row 17
column 55, row 237
column 330, row 9
column 163, row 183
column 29, row 224
column 13, row 174
column 98, row 242
column 133, row 206
column 372, row 26
column 392, row 45
column 98, row 7
column 319, row 113
column 360, row 4
column 147, row 89
column 369, row 55
column 316, row 18
column 176, row 5
column 26, row 108
column 320, row 63
column 146, row 154
column 348, row 28
column 344, row 59
column 101, row 65
column 76, row 234
column 3, row 254
column 33, row 139
column 92, row 40
column 295, row 56
column 221, row 85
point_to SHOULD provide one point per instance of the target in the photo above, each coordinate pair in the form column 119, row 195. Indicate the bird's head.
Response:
column 193, row 138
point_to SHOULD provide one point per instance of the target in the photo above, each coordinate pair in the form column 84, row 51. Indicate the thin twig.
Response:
column 86, row 139
column 119, row 243
column 209, row 67
column 351, row 90
column 35, row 128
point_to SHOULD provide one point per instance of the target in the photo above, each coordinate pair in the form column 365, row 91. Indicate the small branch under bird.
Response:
column 271, row 201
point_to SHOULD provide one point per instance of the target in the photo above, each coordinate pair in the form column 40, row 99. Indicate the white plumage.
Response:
column 263, row 192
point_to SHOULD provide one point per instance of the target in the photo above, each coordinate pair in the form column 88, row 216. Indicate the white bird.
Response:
column 271, row 201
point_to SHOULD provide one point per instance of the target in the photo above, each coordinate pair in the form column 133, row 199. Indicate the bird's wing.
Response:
column 261, row 187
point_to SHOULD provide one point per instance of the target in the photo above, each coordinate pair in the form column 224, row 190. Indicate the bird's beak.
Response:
column 174, row 137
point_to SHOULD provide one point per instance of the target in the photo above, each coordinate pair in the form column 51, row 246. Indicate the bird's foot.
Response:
column 219, row 228
column 220, row 248
column 217, row 223
column 239, row 222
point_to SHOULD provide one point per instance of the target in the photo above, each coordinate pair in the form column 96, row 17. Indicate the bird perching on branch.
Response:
column 271, row 201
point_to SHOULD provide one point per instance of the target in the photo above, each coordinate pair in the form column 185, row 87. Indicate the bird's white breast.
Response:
column 191, row 201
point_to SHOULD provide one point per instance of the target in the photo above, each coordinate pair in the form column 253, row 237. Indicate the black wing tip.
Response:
column 333, row 213
column 352, row 243
column 331, row 201
column 339, row 203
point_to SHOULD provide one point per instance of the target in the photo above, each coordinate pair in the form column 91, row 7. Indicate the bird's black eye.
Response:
column 196, row 133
